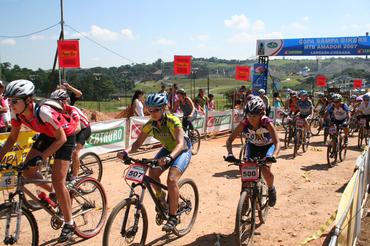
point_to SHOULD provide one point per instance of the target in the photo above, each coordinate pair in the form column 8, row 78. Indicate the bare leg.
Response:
column 58, row 178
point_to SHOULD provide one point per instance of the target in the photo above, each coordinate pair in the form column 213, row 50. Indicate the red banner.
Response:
column 321, row 80
column 182, row 65
column 357, row 83
column 243, row 73
column 69, row 53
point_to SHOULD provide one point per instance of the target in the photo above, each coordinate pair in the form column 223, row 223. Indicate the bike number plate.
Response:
column 249, row 172
column 332, row 130
column 8, row 180
column 363, row 122
column 299, row 123
column 136, row 173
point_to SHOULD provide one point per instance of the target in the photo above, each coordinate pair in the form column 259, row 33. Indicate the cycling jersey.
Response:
column 340, row 113
column 292, row 106
column 304, row 107
column 364, row 108
column 166, row 133
column 51, row 119
column 259, row 137
column 76, row 113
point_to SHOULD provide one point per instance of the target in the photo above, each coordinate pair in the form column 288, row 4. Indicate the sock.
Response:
column 69, row 222
column 272, row 188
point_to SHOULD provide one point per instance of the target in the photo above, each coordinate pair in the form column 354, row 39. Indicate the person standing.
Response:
column 3, row 110
column 137, row 103
column 265, row 99
column 202, row 99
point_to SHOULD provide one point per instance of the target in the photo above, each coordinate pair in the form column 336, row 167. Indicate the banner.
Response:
column 259, row 77
column 336, row 46
column 106, row 136
column 321, row 81
column 20, row 149
column 242, row 73
column 182, row 65
column 357, row 83
column 69, row 53
column 136, row 123
column 219, row 121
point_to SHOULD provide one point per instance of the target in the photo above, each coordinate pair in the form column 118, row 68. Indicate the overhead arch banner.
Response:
column 336, row 46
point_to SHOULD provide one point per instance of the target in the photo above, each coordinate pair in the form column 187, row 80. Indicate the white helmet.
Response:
column 21, row 88
column 59, row 94
column 261, row 91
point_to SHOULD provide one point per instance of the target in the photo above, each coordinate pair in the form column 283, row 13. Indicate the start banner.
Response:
column 20, row 149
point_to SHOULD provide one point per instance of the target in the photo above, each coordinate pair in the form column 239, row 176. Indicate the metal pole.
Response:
column 208, row 84
column 367, row 35
column 62, row 33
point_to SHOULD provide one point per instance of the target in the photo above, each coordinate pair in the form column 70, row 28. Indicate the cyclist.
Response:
column 263, row 141
column 57, row 136
column 83, row 130
column 364, row 109
column 322, row 103
column 339, row 114
column 187, row 107
column 265, row 99
column 305, row 109
column 291, row 103
column 175, row 154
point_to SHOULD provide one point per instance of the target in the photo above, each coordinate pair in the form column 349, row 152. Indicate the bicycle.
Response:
column 89, row 209
column 253, row 197
column 316, row 125
column 289, row 130
column 128, row 222
column 336, row 146
column 300, row 138
column 362, row 133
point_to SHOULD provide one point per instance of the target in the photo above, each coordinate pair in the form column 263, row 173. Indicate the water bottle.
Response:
column 43, row 197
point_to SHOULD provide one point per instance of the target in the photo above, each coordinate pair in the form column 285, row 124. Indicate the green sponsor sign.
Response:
column 222, row 120
column 104, row 137
column 198, row 123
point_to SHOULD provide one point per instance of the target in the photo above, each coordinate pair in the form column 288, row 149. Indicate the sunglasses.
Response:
column 253, row 115
column 155, row 110
column 14, row 100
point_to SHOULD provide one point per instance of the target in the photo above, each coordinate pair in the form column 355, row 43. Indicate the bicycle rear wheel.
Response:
column 28, row 231
column 188, row 207
column 91, row 166
column 297, row 142
column 245, row 219
column 360, row 138
column 331, row 153
column 121, row 228
column 263, row 206
column 342, row 149
column 195, row 141
column 89, row 209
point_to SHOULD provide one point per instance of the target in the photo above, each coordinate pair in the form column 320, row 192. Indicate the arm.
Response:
column 13, row 136
column 232, row 137
column 136, row 145
column 175, row 106
column 69, row 87
column 179, row 136
column 192, row 106
column 60, row 139
column 275, row 139
column 3, row 107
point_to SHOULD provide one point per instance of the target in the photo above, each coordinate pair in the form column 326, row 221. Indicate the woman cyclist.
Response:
column 187, row 107
column 175, row 154
column 263, row 141
column 57, row 135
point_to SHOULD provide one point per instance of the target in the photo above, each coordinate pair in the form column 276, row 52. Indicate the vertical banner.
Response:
column 69, row 53
column 242, row 73
column 259, row 77
column 357, row 83
column 182, row 65
column 320, row 81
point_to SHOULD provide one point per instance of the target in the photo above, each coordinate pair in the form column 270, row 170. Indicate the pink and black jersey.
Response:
column 51, row 121
column 259, row 137
column 76, row 112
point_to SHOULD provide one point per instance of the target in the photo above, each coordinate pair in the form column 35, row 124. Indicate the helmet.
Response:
column 156, row 100
column 303, row 93
column 337, row 97
column 181, row 91
column 320, row 95
column 20, row 88
column 366, row 97
column 261, row 91
column 255, row 106
column 353, row 97
column 59, row 94
column 359, row 99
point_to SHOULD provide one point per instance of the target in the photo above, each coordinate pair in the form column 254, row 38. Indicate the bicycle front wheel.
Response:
column 263, row 206
column 126, row 225
column 331, row 153
column 245, row 219
column 28, row 233
column 195, row 141
column 315, row 127
column 342, row 150
column 91, row 166
column 360, row 138
column 89, row 209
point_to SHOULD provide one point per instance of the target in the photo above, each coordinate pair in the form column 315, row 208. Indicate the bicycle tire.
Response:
column 297, row 136
column 284, row 121
column 342, row 149
column 122, row 206
column 88, row 161
column 360, row 137
column 331, row 154
column 304, row 142
column 263, row 202
column 242, row 152
column 246, row 209
column 81, row 202
column 195, row 141
column 186, row 204
column 7, row 209
column 315, row 127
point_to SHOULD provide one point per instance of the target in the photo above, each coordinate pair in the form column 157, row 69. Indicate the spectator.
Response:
column 3, row 110
column 203, row 100
column 137, row 106
column 277, row 101
column 163, row 90
column 172, row 97
column 198, row 106
column 266, row 101
column 75, row 94
column 211, row 102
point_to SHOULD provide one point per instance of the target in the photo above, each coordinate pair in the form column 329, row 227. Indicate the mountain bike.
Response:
column 300, row 138
column 18, row 224
column 128, row 222
column 336, row 146
column 316, row 125
column 194, row 137
column 253, row 198
column 289, row 130
column 362, row 133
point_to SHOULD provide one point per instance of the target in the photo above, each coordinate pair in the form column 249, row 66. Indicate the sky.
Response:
column 143, row 31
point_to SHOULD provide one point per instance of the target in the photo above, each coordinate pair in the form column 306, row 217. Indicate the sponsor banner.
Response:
column 69, row 53
column 336, row 46
column 182, row 65
column 106, row 136
column 219, row 121
column 243, row 73
column 20, row 149
column 198, row 123
column 136, row 123
column 259, row 77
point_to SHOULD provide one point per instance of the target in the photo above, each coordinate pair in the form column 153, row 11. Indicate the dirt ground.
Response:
column 308, row 193
column 364, row 239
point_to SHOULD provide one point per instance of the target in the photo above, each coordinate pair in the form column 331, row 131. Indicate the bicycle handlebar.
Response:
column 153, row 163
column 258, row 161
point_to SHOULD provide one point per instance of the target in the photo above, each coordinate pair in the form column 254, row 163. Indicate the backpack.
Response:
column 53, row 104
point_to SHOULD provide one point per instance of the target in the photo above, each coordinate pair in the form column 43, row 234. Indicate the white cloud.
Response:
column 201, row 37
column 164, row 41
column 78, row 35
column 305, row 19
column 8, row 41
column 103, row 33
column 258, row 26
column 127, row 34
column 238, row 22
column 37, row 37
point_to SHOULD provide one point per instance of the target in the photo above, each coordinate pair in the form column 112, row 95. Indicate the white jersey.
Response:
column 364, row 108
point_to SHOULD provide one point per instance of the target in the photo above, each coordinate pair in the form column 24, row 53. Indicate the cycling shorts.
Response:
column 63, row 153
column 252, row 151
column 83, row 135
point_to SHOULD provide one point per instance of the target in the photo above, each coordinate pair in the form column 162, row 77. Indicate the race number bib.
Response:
column 8, row 180
column 136, row 173
column 332, row 130
column 299, row 123
column 249, row 172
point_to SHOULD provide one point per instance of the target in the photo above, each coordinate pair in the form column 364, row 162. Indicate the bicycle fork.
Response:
column 10, row 239
column 133, row 230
